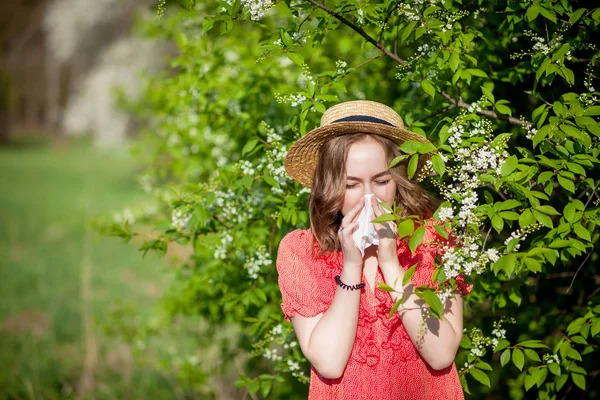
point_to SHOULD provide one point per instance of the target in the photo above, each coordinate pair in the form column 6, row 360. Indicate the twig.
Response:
column 576, row 272
column 591, row 195
column 486, row 238
column 488, row 113
column 394, row 56
column 387, row 18
column 358, row 30
column 440, row 111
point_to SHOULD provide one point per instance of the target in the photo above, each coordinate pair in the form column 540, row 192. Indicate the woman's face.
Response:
column 367, row 173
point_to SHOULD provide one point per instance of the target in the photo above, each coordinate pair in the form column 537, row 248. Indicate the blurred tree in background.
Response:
column 504, row 89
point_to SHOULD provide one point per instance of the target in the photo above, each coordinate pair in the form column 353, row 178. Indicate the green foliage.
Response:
column 505, row 92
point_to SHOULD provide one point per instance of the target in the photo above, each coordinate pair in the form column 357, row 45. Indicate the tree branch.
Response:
column 387, row 18
column 358, row 30
column 393, row 56
column 488, row 113
column 576, row 272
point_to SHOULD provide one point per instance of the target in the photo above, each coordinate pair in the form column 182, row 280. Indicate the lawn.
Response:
column 59, row 279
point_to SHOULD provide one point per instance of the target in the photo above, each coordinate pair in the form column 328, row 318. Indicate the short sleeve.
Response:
column 425, row 255
column 305, row 289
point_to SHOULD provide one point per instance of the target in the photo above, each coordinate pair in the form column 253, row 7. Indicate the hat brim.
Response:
column 301, row 159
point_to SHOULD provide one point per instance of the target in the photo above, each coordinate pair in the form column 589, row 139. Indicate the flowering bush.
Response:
column 505, row 92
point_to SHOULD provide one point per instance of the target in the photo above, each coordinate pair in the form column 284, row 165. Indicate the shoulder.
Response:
column 299, row 242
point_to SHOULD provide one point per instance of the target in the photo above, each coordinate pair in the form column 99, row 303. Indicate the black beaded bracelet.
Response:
column 341, row 284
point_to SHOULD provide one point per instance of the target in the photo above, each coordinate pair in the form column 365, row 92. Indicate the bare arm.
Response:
column 327, row 339
column 438, row 342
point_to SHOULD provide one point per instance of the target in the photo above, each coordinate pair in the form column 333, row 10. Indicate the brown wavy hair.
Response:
column 329, row 187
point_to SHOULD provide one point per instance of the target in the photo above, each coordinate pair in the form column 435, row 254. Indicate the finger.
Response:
column 376, row 207
column 347, row 231
column 353, row 213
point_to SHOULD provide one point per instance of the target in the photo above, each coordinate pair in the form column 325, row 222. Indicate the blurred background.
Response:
column 64, row 160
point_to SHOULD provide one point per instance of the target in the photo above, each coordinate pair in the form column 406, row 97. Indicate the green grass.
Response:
column 47, row 196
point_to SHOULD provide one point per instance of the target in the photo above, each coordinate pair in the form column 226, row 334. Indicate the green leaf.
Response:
column 320, row 107
column 532, row 13
column 385, row 218
column 554, row 368
column 395, row 307
column 548, row 14
column 566, row 183
column 595, row 328
column 397, row 160
column 295, row 57
column 438, row 164
column 578, row 380
column 416, row 238
column 509, row 165
column 428, row 88
column 592, row 111
column 477, row 72
column 406, row 228
column 576, row 168
column 265, row 387
column 518, row 359
column 532, row 355
column 413, row 163
column 249, row 146
column 543, row 219
column 271, row 181
column 480, row 376
column 582, row 232
column 548, row 210
column 502, row 344
column 503, row 109
column 408, row 274
column 434, row 302
column 534, row 344
column 426, row 148
column 526, row 218
column 505, row 357
column 488, row 93
column 408, row 30
column 441, row 231
column 454, row 61
column 574, row 17
column 410, row 146
column 508, row 204
column 384, row 286
column 483, row 366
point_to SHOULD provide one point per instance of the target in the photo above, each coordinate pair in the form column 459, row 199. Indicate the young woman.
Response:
column 329, row 287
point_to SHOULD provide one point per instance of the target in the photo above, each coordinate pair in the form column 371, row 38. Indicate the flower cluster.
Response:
column 257, row 8
column 221, row 250
column 277, row 347
column 543, row 46
column 255, row 263
column 550, row 358
column 295, row 100
column 180, row 217
column 480, row 342
column 235, row 209
column 590, row 98
column 341, row 67
column 519, row 235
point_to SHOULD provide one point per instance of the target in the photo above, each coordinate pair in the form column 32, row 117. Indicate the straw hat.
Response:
column 359, row 116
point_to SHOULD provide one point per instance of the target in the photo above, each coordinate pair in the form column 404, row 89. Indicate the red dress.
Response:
column 384, row 363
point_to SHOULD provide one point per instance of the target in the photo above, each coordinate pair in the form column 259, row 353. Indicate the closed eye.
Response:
column 383, row 183
column 351, row 185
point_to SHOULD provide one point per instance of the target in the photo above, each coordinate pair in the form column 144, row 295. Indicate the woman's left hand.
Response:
column 387, row 232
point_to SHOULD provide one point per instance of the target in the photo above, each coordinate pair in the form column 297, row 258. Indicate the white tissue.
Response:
column 365, row 235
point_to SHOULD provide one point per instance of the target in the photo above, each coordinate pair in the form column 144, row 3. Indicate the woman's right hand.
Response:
column 352, row 255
